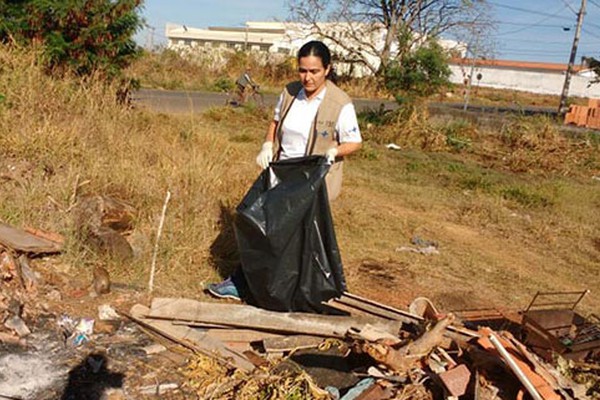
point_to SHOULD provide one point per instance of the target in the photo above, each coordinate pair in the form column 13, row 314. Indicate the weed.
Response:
column 455, row 167
column 368, row 152
column 376, row 117
column 242, row 138
column 475, row 183
column 223, row 85
column 459, row 134
column 526, row 197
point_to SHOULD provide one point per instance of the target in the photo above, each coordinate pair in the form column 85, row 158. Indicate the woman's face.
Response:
column 312, row 74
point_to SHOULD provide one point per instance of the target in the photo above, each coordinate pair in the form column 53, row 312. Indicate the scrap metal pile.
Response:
column 367, row 350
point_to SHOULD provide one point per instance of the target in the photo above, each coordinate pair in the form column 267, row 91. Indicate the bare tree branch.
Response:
column 375, row 33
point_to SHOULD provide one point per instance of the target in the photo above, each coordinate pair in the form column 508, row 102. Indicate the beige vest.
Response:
column 323, row 135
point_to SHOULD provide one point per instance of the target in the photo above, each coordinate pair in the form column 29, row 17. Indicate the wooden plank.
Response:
column 404, row 316
column 194, row 339
column 243, row 316
column 199, row 325
column 335, row 304
column 22, row 241
column 241, row 335
column 289, row 343
column 369, row 309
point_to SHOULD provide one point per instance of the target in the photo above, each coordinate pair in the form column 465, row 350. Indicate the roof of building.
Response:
column 522, row 65
column 230, row 35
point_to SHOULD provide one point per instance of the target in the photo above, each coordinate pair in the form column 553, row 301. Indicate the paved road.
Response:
column 184, row 102
column 168, row 101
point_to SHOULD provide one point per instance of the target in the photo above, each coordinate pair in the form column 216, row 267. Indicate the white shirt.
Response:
column 299, row 119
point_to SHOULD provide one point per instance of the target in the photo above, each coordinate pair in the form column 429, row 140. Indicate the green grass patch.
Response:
column 526, row 197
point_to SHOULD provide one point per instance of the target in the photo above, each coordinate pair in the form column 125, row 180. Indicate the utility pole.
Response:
column 151, row 44
column 565, row 91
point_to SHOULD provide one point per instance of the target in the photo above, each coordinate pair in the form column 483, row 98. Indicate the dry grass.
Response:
column 214, row 71
column 212, row 381
column 54, row 133
column 514, row 208
column 503, row 97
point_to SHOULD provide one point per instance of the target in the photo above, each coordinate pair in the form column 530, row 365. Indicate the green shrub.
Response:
column 526, row 197
column 223, row 85
column 419, row 73
column 83, row 37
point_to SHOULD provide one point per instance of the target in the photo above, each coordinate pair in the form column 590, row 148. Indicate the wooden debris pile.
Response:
column 19, row 281
column 364, row 350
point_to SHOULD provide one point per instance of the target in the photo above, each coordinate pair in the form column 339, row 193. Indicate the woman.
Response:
column 312, row 117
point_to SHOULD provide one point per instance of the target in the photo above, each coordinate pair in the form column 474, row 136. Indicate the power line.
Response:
column 533, row 51
column 544, row 42
column 526, row 10
column 590, row 33
column 527, row 24
column 533, row 25
column 594, row 3
column 570, row 6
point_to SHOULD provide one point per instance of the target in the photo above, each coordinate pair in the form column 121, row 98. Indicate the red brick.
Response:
column 456, row 380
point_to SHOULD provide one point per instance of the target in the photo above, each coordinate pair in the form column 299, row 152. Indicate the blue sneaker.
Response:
column 224, row 290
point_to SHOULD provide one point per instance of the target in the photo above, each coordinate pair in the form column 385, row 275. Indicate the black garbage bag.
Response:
column 284, row 230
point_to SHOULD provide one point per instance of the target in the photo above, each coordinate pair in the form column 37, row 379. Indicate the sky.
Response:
column 527, row 30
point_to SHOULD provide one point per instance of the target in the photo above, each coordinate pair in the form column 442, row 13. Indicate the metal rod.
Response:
column 515, row 368
column 158, row 234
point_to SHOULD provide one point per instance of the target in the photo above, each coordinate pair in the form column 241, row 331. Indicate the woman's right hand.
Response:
column 265, row 156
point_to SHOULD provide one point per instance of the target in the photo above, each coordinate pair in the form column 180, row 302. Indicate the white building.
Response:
column 533, row 77
column 286, row 38
column 254, row 36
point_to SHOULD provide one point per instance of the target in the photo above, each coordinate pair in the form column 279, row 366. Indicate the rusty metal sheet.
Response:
column 554, row 326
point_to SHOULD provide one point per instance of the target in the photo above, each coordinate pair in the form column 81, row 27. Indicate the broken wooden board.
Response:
column 191, row 338
column 290, row 343
column 241, row 335
column 243, row 316
column 357, row 305
column 21, row 241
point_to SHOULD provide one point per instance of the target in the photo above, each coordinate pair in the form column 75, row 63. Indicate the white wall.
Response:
column 525, row 81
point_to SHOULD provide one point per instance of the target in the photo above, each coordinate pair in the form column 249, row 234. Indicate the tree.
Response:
column 594, row 66
column 82, row 36
column 419, row 73
column 379, row 33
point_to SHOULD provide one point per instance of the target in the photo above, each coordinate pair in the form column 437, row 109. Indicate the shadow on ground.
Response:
column 90, row 378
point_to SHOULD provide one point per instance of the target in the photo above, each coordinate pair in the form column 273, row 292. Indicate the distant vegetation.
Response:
column 81, row 37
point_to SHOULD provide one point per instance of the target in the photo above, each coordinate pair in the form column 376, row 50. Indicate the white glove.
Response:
column 265, row 156
column 331, row 154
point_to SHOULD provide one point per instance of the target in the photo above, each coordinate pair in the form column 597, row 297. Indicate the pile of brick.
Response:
column 585, row 116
